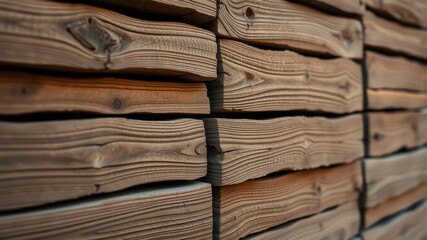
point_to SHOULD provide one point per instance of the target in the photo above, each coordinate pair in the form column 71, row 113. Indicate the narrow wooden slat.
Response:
column 388, row 72
column 283, row 24
column 27, row 93
column 411, row 12
column 391, row 176
column 179, row 211
column 407, row 225
column 341, row 222
column 394, row 205
column 79, row 37
column 387, row 35
column 191, row 11
column 42, row 162
column 385, row 99
column 339, row 6
column 245, row 149
column 254, row 80
column 256, row 205
column 390, row 132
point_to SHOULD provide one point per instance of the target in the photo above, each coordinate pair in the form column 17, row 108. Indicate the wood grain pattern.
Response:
column 178, row 211
column 387, row 35
column 27, row 93
column 391, row 176
column 79, row 37
column 411, row 12
column 394, row 205
column 245, row 149
column 192, row 11
column 341, row 222
column 388, row 72
column 256, row 205
column 254, row 80
column 42, row 162
column 390, row 132
column 407, row 225
column 337, row 6
column 385, row 99
column 283, row 24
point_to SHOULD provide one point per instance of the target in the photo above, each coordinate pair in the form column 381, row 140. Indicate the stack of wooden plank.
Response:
column 69, row 155
column 396, row 170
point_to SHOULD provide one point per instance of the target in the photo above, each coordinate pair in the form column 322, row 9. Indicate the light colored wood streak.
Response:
column 384, row 34
column 385, row 99
column 256, row 205
column 411, row 12
column 407, row 225
column 191, row 11
column 178, row 211
column 394, row 205
column 283, row 24
column 254, row 80
column 42, row 162
column 340, row 6
column 246, row 149
column 390, row 132
column 27, row 93
column 388, row 72
column 84, row 38
column 391, row 176
column 338, row 223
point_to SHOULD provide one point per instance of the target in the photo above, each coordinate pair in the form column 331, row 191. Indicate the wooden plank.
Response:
column 244, row 149
column 283, row 24
column 383, row 73
column 341, row 222
column 256, row 205
column 385, row 99
column 253, row 80
column 79, row 37
column 390, row 132
column 338, row 6
column 42, row 162
column 178, row 211
column 387, row 35
column 407, row 225
column 410, row 12
column 191, row 11
column 394, row 205
column 391, row 176
column 28, row 93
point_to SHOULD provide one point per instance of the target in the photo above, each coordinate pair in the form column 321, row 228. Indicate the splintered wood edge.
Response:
column 190, row 215
column 342, row 220
column 28, row 93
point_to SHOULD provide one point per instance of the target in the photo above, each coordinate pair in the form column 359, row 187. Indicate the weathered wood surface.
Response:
column 244, row 149
column 389, row 72
column 341, row 222
column 390, row 132
column 42, row 162
column 391, row 176
column 387, row 35
column 394, row 205
column 27, row 93
column 284, row 24
column 190, row 11
column 256, row 205
column 177, row 211
column 338, row 6
column 385, row 99
column 407, row 225
column 411, row 12
column 253, row 80
column 79, row 37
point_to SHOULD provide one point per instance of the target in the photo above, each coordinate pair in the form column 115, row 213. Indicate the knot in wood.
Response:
column 117, row 104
